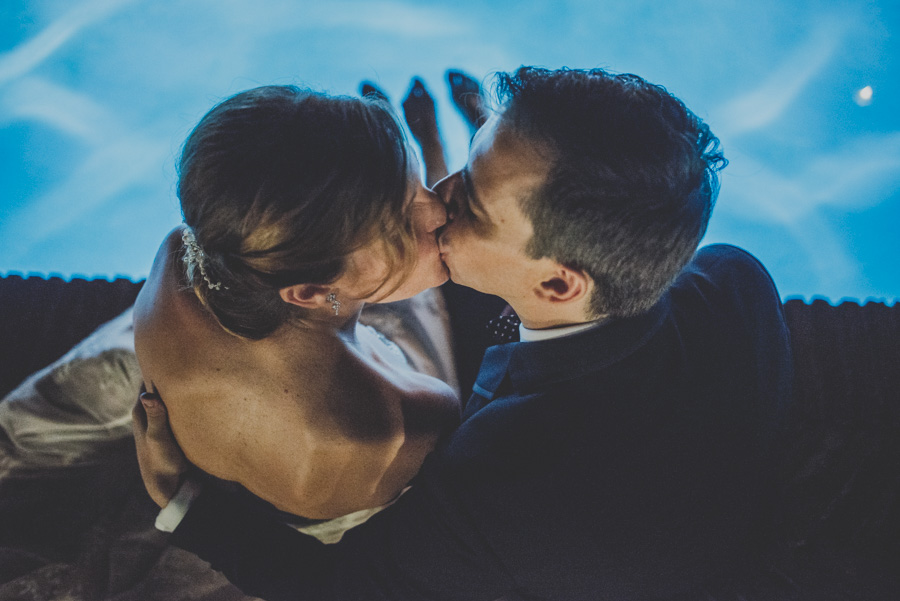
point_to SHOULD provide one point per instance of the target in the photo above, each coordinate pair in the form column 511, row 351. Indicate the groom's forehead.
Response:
column 501, row 157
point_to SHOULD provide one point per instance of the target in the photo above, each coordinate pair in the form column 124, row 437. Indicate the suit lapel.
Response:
column 469, row 313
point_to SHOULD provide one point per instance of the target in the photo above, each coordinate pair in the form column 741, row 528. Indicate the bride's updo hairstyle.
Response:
column 280, row 185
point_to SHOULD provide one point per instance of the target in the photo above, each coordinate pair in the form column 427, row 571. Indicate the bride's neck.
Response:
column 346, row 331
column 343, row 326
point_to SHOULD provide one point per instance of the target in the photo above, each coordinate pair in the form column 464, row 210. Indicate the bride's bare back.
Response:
column 317, row 422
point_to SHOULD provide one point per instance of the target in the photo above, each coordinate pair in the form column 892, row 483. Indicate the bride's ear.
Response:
column 308, row 296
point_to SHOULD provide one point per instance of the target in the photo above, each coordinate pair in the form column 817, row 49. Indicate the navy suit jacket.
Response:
column 628, row 461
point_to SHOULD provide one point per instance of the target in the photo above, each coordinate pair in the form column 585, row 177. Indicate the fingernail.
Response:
column 148, row 400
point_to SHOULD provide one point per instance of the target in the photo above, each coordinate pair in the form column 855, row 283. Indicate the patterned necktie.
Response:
column 505, row 328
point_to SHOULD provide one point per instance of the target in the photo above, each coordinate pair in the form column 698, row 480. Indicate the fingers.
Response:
column 139, row 418
column 157, row 422
column 418, row 98
column 367, row 88
column 152, row 404
column 468, row 97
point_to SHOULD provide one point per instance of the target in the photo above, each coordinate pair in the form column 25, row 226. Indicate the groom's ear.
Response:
column 563, row 285
column 308, row 296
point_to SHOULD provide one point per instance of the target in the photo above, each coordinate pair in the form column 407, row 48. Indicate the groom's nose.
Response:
column 446, row 190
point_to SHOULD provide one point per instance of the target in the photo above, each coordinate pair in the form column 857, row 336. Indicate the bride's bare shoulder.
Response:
column 169, row 320
column 164, row 293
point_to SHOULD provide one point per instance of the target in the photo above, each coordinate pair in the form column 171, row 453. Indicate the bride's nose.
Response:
column 444, row 189
column 436, row 212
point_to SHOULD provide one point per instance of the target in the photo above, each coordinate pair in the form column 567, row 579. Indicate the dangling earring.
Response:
column 335, row 303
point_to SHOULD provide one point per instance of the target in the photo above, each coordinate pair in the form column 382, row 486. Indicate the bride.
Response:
column 299, row 208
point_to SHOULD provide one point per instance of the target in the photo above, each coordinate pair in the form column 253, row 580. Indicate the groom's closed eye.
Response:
column 473, row 204
column 455, row 201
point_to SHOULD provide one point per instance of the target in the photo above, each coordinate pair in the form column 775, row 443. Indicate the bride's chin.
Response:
column 440, row 273
column 435, row 274
column 437, row 277
column 445, row 274
column 420, row 281
column 441, row 279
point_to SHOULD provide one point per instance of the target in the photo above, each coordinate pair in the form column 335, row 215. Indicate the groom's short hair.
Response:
column 632, row 182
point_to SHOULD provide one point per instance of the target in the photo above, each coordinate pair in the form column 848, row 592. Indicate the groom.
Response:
column 618, row 450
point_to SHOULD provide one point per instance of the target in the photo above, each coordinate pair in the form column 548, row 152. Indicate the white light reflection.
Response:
column 863, row 96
